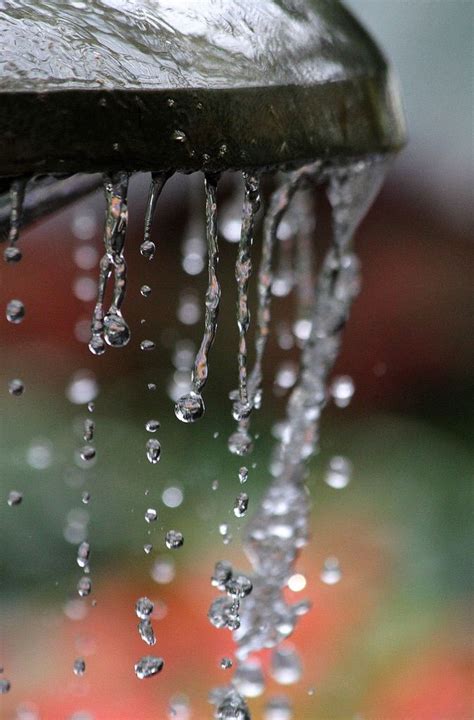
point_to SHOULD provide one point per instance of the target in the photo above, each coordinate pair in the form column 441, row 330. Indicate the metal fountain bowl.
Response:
column 138, row 85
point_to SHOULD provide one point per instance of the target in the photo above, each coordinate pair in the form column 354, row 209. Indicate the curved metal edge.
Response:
column 212, row 130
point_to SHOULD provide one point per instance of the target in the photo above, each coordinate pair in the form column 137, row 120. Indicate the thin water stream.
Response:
column 252, row 606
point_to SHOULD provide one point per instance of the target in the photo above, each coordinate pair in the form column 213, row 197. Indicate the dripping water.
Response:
column 190, row 407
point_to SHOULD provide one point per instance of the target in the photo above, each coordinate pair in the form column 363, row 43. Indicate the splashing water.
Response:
column 190, row 407
column 111, row 328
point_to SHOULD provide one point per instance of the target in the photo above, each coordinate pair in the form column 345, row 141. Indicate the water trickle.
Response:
column 111, row 328
column 16, row 387
column 79, row 667
column 243, row 269
column 14, row 498
column 15, row 311
column 146, row 632
column 174, row 539
column 148, row 666
column 17, row 196
column 190, row 407
column 153, row 451
column 147, row 248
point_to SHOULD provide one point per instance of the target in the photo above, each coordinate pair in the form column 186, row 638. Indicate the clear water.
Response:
column 253, row 607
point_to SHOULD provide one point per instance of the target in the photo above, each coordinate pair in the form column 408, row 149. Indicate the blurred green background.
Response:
column 392, row 640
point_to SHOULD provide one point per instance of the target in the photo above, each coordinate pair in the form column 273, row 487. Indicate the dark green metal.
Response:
column 211, row 84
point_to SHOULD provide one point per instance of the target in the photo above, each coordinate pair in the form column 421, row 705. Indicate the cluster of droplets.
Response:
column 224, row 611
column 111, row 327
column 147, row 665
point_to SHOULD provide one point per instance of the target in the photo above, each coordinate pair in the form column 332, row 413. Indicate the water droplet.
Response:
column 170, row 102
column 84, row 586
column 14, row 498
column 278, row 708
column 152, row 425
column 243, row 474
column 97, row 345
column 79, row 667
column 148, row 249
column 151, row 386
column 189, row 310
column 179, row 136
column 190, row 407
column 174, row 539
column 240, row 442
column 147, row 345
column 297, row 582
column 146, row 632
column 16, row 387
column 163, row 570
column 89, row 427
column 342, row 389
column 151, row 515
column 241, row 504
column 148, row 666
column 116, row 330
column 86, row 496
column 15, row 311
column 249, row 678
column 83, row 554
column 12, row 254
column 153, row 450
column 87, row 453
column 172, row 497
column 145, row 290
column 331, row 572
column 338, row 473
column 214, row 484
column 286, row 375
column 143, row 608
column 4, row 686
column 285, row 666
column 82, row 388
column 91, row 407
column 225, row 663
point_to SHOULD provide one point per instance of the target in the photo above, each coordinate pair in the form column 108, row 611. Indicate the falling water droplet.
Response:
column 147, row 548
column 179, row 136
column 331, row 572
column 83, row 554
column 84, row 586
column 151, row 515
column 240, row 442
column 14, row 498
column 278, row 708
column 249, row 678
column 16, row 387
column 87, row 453
column 243, row 474
column 89, row 427
column 174, row 539
column 86, row 496
column 146, row 632
column 5, row 686
column 338, row 473
column 143, row 608
column 79, row 667
column 225, row 663
column 342, row 389
column 241, row 504
column 12, row 254
column 145, row 290
column 15, row 311
column 147, row 345
column 152, row 425
column 153, row 450
column 148, row 666
column 285, row 666
column 148, row 249
column 190, row 407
